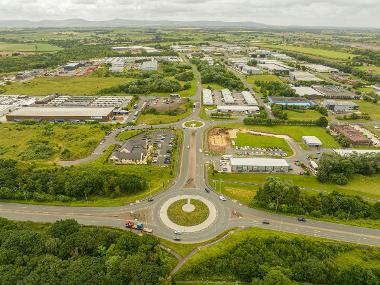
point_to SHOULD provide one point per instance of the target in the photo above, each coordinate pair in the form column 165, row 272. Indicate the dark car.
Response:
column 207, row 190
column 301, row 219
column 265, row 222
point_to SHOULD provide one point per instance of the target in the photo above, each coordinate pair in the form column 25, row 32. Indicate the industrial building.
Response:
column 354, row 136
column 227, row 96
column 61, row 114
column 335, row 92
column 207, row 97
column 303, row 76
column 150, row 65
column 321, row 68
column 258, row 164
column 308, row 92
column 249, row 99
column 312, row 141
column 340, row 106
column 238, row 109
column 290, row 101
column 356, row 151
column 250, row 70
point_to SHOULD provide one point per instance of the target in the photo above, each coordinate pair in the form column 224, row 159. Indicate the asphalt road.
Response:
column 226, row 217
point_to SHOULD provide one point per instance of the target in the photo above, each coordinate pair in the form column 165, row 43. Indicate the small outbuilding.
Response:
column 312, row 141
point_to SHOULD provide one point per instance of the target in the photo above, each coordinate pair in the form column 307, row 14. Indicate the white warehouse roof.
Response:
column 238, row 108
column 207, row 97
column 249, row 99
column 311, row 140
column 306, row 91
column 62, row 112
column 228, row 99
column 358, row 151
column 258, row 161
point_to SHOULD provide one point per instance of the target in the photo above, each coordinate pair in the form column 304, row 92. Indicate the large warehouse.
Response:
column 59, row 114
column 258, row 164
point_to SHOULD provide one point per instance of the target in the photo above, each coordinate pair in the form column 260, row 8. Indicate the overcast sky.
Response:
column 349, row 13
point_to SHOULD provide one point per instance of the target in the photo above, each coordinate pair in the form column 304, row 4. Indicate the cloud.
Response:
column 359, row 13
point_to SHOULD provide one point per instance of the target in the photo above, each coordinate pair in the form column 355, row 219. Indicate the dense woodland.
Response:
column 67, row 253
column 283, row 196
column 65, row 184
column 339, row 169
column 218, row 74
column 283, row 261
column 275, row 89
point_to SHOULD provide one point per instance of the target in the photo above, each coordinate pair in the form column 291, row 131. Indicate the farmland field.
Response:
column 28, row 47
column 64, row 85
column 326, row 53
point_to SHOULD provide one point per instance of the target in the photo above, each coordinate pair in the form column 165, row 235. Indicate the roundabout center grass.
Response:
column 182, row 218
column 193, row 124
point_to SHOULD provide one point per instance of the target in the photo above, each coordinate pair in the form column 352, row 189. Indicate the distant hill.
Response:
column 80, row 23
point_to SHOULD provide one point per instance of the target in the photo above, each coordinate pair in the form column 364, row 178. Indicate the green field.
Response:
column 326, row 53
column 64, row 85
column 190, row 92
column 366, row 186
column 128, row 134
column 306, row 115
column 47, row 142
column 370, row 108
column 265, row 77
column 157, row 119
column 295, row 132
column 245, row 139
column 214, row 86
column 182, row 218
column 372, row 69
column 28, row 47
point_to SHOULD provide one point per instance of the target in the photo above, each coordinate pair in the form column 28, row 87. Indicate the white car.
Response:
column 177, row 232
column 221, row 197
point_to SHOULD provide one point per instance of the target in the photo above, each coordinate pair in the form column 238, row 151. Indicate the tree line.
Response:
column 282, row 196
column 65, row 184
column 67, row 253
column 339, row 169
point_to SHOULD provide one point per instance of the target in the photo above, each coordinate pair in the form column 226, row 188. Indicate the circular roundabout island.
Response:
column 188, row 212
column 193, row 124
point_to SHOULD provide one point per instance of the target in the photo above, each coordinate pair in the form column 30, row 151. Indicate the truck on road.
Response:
column 137, row 226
